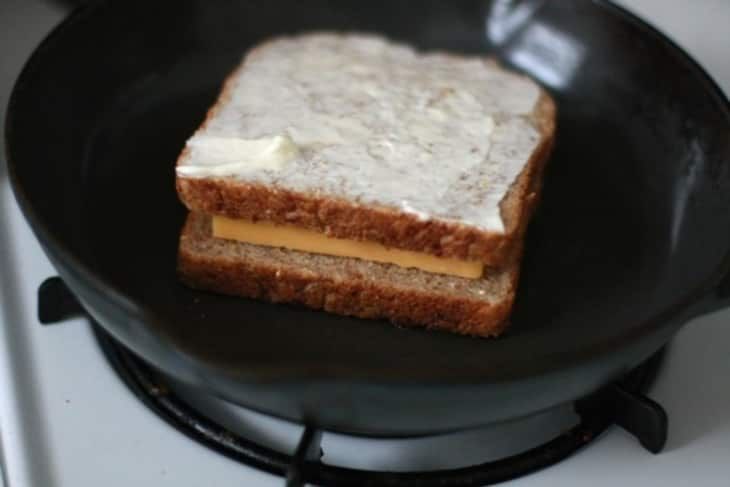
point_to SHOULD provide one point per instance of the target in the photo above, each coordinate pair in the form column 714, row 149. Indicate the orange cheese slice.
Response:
column 295, row 238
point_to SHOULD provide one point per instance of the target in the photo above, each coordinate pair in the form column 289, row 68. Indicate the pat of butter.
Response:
column 226, row 156
column 294, row 238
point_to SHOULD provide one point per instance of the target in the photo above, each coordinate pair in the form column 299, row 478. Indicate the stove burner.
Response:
column 620, row 403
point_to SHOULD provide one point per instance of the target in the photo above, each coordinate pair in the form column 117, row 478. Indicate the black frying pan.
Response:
column 631, row 239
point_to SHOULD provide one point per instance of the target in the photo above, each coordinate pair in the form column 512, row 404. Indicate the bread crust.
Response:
column 340, row 218
column 351, row 295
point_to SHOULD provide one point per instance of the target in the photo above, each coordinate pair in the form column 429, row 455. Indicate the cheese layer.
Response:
column 295, row 238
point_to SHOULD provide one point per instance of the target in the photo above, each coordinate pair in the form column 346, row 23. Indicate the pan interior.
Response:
column 634, row 215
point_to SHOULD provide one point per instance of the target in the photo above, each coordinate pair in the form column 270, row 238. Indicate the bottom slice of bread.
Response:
column 346, row 286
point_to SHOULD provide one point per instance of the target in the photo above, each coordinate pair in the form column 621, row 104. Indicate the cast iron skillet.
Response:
column 631, row 239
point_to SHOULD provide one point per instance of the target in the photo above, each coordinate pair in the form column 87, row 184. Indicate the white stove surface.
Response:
column 66, row 420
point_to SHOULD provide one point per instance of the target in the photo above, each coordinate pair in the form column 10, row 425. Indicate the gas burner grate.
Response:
column 621, row 403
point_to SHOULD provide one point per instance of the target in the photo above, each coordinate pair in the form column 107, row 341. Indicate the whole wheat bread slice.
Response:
column 346, row 218
column 345, row 286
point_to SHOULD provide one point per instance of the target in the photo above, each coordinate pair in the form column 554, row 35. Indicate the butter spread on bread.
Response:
column 359, row 118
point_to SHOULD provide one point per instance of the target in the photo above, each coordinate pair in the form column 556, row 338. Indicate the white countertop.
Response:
column 86, row 444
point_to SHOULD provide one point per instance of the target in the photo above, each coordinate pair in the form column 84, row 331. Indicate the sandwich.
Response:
column 359, row 176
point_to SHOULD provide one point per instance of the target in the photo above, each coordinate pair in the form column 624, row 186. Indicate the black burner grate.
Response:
column 621, row 403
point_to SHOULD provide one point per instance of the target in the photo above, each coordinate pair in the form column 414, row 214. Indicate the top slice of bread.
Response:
column 335, row 187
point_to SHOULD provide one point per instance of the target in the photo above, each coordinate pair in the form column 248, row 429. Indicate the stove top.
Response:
column 66, row 419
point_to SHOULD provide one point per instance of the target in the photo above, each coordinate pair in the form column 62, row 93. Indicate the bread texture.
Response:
column 348, row 218
column 344, row 286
